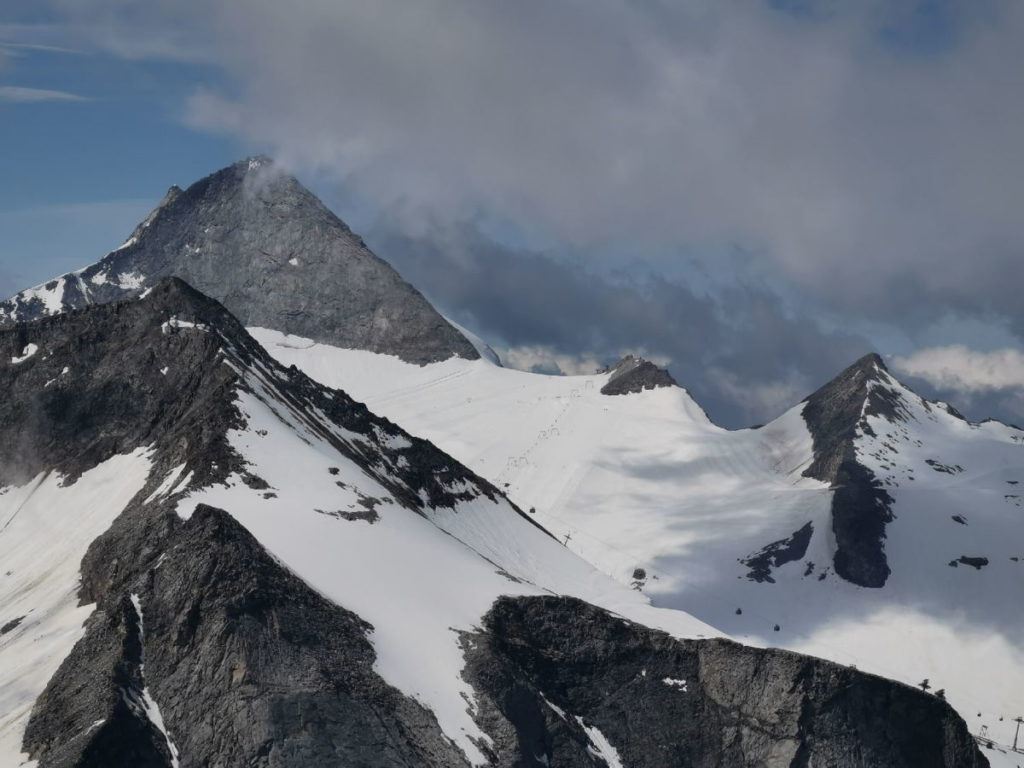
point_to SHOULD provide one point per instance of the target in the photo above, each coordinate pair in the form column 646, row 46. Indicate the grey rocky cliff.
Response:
column 249, row 665
column 861, row 507
column 547, row 669
column 252, row 237
column 634, row 374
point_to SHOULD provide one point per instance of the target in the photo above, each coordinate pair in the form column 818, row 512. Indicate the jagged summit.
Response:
column 251, row 236
column 835, row 415
column 634, row 374
column 835, row 411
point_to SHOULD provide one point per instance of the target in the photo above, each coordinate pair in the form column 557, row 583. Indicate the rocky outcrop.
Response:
column 255, row 239
column 212, row 652
column 634, row 374
column 561, row 682
column 777, row 554
column 861, row 507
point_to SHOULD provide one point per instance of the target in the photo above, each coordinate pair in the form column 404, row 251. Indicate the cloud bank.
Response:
column 865, row 156
column 964, row 370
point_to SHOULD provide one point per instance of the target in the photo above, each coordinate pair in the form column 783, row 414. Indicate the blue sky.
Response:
column 77, row 175
column 757, row 191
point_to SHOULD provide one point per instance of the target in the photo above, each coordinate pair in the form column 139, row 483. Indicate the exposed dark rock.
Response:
column 975, row 562
column 946, row 468
column 248, row 665
column 254, row 238
column 861, row 508
column 11, row 625
column 634, row 374
column 778, row 553
column 545, row 667
column 834, row 413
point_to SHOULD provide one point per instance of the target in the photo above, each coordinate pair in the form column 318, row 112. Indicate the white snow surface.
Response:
column 419, row 579
column 52, row 298
column 600, row 747
column 143, row 702
column 647, row 481
column 26, row 353
column 45, row 529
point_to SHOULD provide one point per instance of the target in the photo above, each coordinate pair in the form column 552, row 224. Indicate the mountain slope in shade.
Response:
column 285, row 579
column 254, row 238
column 737, row 528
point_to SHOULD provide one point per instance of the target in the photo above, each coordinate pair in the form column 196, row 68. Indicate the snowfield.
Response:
column 651, row 492
column 45, row 530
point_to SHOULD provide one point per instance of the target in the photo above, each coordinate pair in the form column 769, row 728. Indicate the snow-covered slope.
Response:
column 45, row 529
column 728, row 527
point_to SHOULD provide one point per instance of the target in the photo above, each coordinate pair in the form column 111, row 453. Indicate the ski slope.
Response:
column 646, row 481
column 421, row 578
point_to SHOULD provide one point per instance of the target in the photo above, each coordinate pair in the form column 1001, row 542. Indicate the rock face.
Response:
column 250, row 665
column 255, row 239
column 778, row 553
column 564, row 682
column 634, row 374
column 861, row 507
column 206, row 650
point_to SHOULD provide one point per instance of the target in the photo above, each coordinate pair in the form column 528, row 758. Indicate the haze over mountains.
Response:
column 283, row 577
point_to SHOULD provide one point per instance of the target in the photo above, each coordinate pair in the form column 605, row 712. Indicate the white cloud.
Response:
column 31, row 95
column 849, row 166
column 546, row 359
column 965, row 370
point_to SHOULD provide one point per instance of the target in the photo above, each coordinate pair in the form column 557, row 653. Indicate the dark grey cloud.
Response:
column 742, row 354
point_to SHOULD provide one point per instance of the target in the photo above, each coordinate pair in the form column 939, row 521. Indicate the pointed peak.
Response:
column 852, row 382
column 836, row 410
column 634, row 374
column 866, row 368
column 872, row 360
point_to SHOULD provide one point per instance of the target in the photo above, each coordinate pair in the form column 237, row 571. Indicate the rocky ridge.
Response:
column 634, row 374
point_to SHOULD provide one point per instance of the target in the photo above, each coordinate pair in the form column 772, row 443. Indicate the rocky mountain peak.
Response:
column 861, row 507
column 254, row 238
column 634, row 374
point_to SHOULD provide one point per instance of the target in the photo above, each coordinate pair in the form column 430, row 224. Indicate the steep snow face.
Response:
column 725, row 526
column 420, row 578
column 45, row 529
